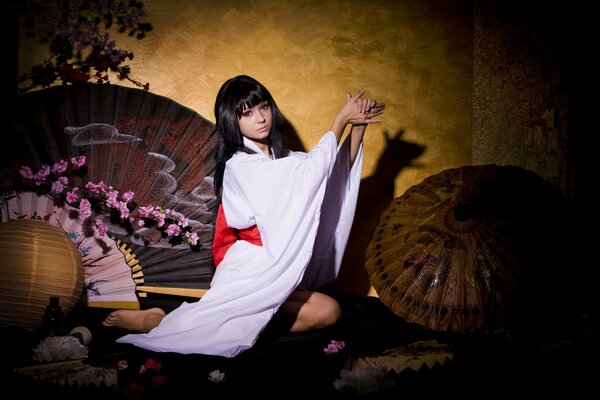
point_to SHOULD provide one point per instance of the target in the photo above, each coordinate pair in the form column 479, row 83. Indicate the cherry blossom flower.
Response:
column 79, row 50
column 94, row 198
column 334, row 347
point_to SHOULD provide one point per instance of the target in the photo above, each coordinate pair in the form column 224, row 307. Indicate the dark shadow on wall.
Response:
column 293, row 141
column 375, row 194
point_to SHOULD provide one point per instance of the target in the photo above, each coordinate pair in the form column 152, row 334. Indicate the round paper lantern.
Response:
column 37, row 261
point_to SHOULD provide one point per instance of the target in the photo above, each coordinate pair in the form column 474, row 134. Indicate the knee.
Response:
column 329, row 313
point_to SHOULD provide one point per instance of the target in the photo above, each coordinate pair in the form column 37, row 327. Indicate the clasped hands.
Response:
column 366, row 109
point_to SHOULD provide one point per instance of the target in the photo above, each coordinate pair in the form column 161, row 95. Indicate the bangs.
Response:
column 253, row 98
column 248, row 93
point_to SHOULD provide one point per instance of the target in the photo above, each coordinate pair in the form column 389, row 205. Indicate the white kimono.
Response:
column 286, row 198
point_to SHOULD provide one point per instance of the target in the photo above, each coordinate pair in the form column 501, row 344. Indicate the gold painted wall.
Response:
column 416, row 56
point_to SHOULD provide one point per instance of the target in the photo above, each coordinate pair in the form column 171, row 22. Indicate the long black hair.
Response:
column 237, row 94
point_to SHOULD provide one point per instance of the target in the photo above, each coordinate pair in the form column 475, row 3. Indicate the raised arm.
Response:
column 356, row 136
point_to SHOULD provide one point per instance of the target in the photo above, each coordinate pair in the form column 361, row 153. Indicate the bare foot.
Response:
column 135, row 320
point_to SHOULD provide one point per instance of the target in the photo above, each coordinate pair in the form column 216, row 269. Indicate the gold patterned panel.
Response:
column 520, row 113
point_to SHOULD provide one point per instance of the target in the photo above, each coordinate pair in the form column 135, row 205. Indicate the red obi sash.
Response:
column 225, row 236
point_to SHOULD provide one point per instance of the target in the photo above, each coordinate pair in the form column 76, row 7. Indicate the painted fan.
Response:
column 133, row 140
column 108, row 277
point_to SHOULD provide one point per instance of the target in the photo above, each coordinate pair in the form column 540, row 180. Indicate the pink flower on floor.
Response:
column 150, row 364
column 147, row 381
column 334, row 347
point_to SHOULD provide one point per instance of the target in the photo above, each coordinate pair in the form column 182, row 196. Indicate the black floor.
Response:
column 558, row 355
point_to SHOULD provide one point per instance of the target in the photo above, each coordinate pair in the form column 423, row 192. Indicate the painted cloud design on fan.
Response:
column 97, row 133
column 164, row 185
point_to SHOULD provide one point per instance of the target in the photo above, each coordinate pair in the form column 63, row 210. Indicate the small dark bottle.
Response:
column 52, row 322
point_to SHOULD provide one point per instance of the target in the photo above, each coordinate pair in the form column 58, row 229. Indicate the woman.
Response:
column 282, row 226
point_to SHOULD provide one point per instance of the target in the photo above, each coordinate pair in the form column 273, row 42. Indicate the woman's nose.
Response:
column 260, row 117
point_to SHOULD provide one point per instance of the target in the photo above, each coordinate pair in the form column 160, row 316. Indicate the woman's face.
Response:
column 255, row 122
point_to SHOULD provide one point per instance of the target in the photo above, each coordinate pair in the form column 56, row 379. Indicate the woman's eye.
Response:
column 246, row 114
column 265, row 106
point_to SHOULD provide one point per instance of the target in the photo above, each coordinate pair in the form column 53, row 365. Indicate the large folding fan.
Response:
column 133, row 140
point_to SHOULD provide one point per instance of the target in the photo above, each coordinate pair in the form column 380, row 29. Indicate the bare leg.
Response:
column 306, row 309
column 135, row 320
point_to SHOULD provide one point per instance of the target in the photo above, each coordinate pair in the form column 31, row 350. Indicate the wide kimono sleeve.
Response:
column 337, row 215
